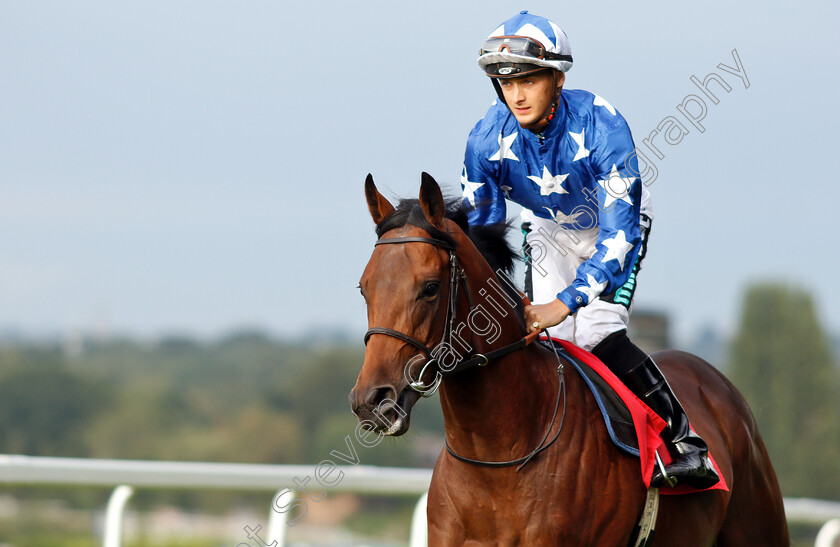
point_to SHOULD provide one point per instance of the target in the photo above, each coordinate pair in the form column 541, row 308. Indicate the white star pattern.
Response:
column 599, row 101
column 504, row 148
column 548, row 184
column 560, row 218
column 594, row 289
column 617, row 248
column 530, row 30
column 469, row 187
column 617, row 187
column 582, row 151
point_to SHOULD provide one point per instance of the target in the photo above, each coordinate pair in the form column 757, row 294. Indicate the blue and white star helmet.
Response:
column 523, row 44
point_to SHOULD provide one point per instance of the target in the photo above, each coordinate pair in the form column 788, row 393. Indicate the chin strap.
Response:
column 498, row 87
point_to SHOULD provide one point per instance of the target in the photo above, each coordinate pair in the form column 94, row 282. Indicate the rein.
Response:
column 521, row 462
column 456, row 277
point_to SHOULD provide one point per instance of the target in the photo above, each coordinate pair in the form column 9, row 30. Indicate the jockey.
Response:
column 568, row 158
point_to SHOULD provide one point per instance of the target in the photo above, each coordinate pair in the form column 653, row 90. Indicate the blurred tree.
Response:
column 781, row 362
column 243, row 398
column 321, row 387
column 43, row 410
column 252, row 435
column 140, row 424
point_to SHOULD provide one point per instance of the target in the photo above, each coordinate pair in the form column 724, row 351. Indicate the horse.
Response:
column 519, row 467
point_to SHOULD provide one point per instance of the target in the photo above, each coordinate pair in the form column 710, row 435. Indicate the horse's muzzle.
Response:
column 380, row 409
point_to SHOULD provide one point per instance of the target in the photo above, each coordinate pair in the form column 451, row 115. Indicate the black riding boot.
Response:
column 691, row 464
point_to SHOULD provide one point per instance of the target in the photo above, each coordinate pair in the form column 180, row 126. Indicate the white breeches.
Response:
column 553, row 267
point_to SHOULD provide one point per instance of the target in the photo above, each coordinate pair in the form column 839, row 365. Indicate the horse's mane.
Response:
column 491, row 239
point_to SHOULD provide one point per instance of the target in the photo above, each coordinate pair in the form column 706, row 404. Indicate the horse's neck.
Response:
column 502, row 410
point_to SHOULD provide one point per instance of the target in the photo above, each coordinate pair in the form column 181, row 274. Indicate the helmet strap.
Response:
column 498, row 87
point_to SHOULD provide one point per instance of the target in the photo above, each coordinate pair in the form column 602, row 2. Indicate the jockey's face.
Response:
column 529, row 97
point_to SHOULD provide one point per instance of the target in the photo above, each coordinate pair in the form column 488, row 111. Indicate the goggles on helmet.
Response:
column 520, row 45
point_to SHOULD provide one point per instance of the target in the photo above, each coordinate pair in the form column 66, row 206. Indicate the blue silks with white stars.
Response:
column 581, row 172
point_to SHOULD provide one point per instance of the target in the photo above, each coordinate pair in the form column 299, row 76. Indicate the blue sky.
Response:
column 198, row 166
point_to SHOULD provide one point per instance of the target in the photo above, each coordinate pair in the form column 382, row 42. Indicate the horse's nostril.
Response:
column 376, row 395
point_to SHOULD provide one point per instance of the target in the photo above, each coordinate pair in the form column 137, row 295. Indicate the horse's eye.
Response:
column 430, row 290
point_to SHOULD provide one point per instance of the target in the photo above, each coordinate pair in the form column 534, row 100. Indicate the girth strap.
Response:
column 643, row 534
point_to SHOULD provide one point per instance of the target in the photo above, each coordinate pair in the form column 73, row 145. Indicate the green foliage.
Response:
column 244, row 398
column 44, row 409
column 781, row 362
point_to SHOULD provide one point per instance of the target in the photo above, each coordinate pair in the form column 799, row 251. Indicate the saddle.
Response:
column 632, row 426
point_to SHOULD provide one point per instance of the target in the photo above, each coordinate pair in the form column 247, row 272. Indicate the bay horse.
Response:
column 427, row 286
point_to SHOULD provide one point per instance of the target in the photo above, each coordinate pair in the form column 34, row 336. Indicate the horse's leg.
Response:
column 438, row 535
column 441, row 515
column 444, row 532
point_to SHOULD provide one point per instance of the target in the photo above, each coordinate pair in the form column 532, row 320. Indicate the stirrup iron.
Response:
column 669, row 480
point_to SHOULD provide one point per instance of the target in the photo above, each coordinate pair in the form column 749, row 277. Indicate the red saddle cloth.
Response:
column 647, row 423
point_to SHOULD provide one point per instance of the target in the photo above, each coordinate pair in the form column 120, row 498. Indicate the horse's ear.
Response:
column 379, row 206
column 431, row 200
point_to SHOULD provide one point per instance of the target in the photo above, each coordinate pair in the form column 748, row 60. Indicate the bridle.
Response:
column 457, row 276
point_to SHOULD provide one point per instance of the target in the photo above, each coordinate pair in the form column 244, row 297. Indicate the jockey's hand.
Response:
column 546, row 315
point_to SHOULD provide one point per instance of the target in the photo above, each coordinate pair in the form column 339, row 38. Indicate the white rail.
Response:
column 228, row 476
column 113, row 515
column 119, row 474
